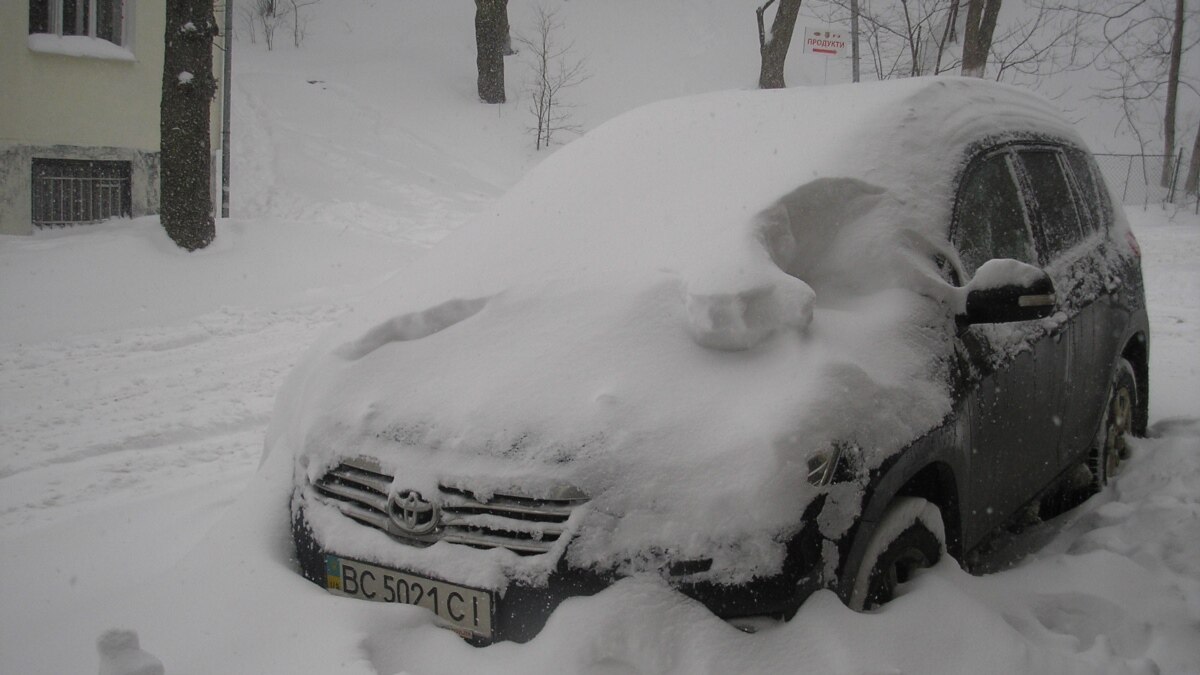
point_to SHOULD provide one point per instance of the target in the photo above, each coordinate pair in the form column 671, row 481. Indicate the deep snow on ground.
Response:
column 137, row 382
column 124, row 447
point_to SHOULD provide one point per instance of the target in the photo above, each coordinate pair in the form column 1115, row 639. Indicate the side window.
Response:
column 990, row 220
column 1095, row 207
column 1058, row 221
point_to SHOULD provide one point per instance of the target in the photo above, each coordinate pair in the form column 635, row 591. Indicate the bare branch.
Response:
column 553, row 72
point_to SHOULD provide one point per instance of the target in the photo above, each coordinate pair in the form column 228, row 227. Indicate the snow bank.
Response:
column 126, row 274
column 121, row 654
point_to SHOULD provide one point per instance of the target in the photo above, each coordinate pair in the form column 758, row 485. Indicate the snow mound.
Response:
column 413, row 326
column 742, row 318
column 120, row 654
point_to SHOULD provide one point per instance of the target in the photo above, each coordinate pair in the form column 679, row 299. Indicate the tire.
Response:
column 910, row 537
column 1111, row 446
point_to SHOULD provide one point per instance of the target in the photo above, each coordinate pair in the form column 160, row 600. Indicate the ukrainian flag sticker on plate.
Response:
column 333, row 572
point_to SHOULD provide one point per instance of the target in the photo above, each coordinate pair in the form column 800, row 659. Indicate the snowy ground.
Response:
column 138, row 381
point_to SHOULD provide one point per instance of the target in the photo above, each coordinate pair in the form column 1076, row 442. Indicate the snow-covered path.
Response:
column 125, row 413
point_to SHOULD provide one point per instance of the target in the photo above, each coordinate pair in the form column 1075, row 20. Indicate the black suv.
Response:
column 754, row 344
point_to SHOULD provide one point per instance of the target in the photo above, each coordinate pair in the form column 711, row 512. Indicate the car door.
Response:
column 1012, row 373
column 1116, row 285
column 1069, row 249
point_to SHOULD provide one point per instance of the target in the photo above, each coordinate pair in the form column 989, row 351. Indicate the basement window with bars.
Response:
column 103, row 19
column 78, row 192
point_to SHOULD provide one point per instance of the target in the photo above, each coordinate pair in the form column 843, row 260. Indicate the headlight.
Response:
column 822, row 465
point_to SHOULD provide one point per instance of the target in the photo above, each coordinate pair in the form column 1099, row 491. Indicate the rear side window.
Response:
column 1058, row 220
column 990, row 219
column 1095, row 208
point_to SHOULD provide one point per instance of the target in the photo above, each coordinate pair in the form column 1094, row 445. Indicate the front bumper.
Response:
column 523, row 610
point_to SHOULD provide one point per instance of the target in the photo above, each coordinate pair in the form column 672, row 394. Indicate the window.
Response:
column 74, row 192
column 1058, row 220
column 990, row 219
column 1096, row 206
column 104, row 19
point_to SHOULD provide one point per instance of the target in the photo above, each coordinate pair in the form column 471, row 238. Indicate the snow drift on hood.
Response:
column 672, row 313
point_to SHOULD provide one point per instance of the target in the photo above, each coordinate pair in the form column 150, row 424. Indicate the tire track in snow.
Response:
column 91, row 417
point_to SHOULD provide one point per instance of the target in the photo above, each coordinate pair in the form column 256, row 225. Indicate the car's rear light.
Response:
column 1133, row 243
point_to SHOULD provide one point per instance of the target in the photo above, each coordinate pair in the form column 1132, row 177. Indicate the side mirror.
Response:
column 1005, row 290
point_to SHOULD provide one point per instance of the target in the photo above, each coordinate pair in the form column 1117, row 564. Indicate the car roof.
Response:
column 680, row 183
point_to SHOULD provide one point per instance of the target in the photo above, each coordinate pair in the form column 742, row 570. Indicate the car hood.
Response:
column 681, row 447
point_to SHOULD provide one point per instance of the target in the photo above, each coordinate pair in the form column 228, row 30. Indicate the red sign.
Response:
column 825, row 42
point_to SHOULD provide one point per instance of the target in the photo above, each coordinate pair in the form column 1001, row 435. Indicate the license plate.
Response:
column 464, row 610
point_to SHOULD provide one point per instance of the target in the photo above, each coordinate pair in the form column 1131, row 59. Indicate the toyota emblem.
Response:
column 412, row 514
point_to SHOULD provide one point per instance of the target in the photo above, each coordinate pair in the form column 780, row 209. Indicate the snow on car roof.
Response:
column 679, row 183
column 671, row 313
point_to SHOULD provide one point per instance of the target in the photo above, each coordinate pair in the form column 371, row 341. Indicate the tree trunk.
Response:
column 506, row 30
column 188, row 87
column 855, row 58
column 1172, row 96
column 947, row 35
column 774, row 48
column 1192, row 185
column 491, row 35
column 914, row 41
column 977, row 37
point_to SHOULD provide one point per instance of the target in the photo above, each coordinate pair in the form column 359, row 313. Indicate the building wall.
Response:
column 16, row 162
column 79, row 107
column 81, row 100
column 106, row 107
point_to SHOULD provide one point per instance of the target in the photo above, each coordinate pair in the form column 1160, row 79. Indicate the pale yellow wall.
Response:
column 82, row 107
column 50, row 99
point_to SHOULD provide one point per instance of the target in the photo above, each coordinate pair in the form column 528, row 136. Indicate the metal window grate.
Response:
column 76, row 192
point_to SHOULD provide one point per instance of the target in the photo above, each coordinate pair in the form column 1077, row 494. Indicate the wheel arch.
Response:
column 935, row 481
column 936, row 484
column 1137, row 352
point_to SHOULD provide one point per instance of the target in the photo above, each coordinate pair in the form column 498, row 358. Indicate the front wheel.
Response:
column 908, row 538
column 1111, row 446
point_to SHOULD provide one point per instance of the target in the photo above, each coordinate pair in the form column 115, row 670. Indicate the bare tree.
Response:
column 773, row 49
column 949, row 35
column 250, row 19
column 1040, row 41
column 270, row 15
column 299, row 23
column 491, row 36
column 1172, row 93
column 855, row 56
column 904, row 39
column 913, row 38
column 1192, row 184
column 1139, row 47
column 188, row 86
column 917, row 37
column 977, row 36
column 554, row 70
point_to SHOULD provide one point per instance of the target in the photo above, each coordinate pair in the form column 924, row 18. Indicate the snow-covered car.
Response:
column 755, row 344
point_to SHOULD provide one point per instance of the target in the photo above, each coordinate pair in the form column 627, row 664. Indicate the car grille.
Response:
column 522, row 524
